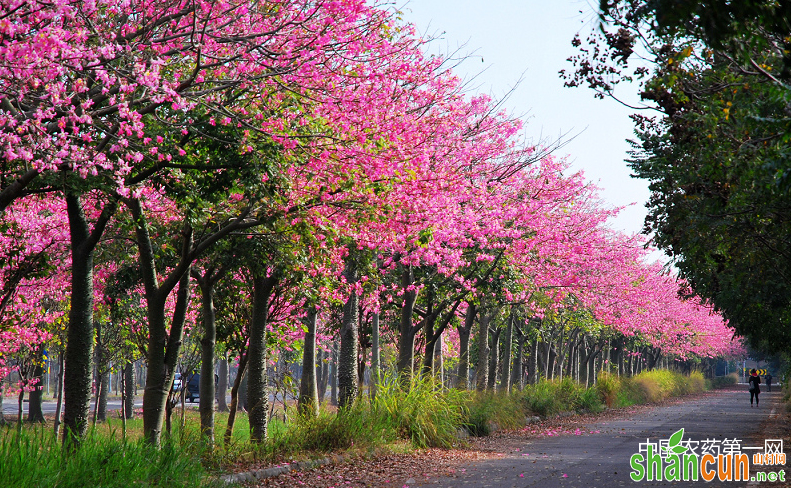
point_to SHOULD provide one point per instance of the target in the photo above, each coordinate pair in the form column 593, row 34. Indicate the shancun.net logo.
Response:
column 677, row 459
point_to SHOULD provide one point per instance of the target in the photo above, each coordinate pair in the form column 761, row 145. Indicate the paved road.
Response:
column 11, row 407
column 602, row 459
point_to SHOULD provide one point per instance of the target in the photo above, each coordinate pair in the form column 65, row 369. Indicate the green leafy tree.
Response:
column 717, row 158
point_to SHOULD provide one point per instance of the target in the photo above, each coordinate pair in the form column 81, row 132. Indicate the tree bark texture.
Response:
column 234, row 407
column 129, row 390
column 518, row 376
column 463, row 375
column 257, row 392
column 347, row 359
column 163, row 347
column 208, row 342
column 482, row 371
column 439, row 365
column 323, row 372
column 533, row 370
column 334, row 373
column 375, row 357
column 407, row 331
column 506, row 359
column 494, row 360
column 222, row 385
column 59, row 403
column 34, row 411
column 79, row 336
column 101, row 408
column 308, row 403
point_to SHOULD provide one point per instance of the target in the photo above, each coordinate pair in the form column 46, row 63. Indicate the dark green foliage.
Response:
column 723, row 381
column 718, row 157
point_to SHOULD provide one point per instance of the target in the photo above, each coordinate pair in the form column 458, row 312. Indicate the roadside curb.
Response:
column 260, row 474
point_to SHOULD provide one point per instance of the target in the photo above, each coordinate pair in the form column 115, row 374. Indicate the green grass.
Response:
column 547, row 398
column 33, row 457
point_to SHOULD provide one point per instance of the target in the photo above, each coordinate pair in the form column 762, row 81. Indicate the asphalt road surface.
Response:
column 11, row 407
column 601, row 459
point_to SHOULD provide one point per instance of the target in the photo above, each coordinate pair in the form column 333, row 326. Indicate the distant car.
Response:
column 192, row 392
column 177, row 383
column 193, row 388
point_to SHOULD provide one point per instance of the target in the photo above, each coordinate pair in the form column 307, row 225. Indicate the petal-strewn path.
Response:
column 598, row 455
column 576, row 451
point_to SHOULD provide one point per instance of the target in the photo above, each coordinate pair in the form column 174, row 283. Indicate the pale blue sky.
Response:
column 531, row 39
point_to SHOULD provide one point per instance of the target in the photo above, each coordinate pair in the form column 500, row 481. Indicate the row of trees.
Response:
column 258, row 173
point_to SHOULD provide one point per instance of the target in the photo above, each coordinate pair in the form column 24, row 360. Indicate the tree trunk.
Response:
column 59, row 404
column 101, row 414
column 584, row 352
column 375, row 359
column 206, row 390
column 129, row 390
column 506, row 359
column 494, row 360
column 324, row 374
column 101, row 378
column 78, row 372
column 308, row 403
column 431, row 342
column 463, row 375
column 439, row 367
column 482, row 372
column 234, row 407
column 347, row 359
column 257, row 394
column 518, row 377
column 241, row 404
column 3, row 421
column 163, row 352
column 334, row 374
column 20, row 401
column 124, row 408
column 163, row 347
column 532, row 371
column 222, row 386
column 407, row 331
column 34, row 412
column 575, row 364
column 550, row 356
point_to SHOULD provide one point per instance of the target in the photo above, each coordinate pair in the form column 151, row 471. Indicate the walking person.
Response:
column 768, row 379
column 754, row 381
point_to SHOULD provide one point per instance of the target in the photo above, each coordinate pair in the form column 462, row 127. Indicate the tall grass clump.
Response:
column 331, row 432
column 723, row 381
column 551, row 397
column 491, row 411
column 425, row 414
column 648, row 387
column 608, row 386
column 33, row 457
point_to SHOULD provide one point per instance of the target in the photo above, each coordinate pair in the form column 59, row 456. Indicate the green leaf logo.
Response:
column 674, row 443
